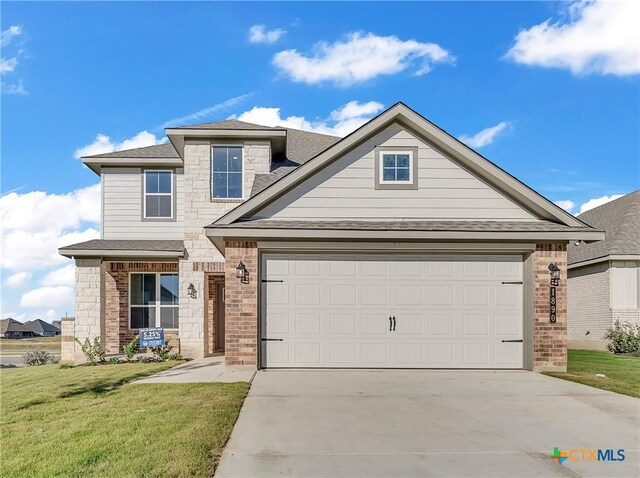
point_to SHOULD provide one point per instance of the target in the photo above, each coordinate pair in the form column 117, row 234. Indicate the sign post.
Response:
column 151, row 337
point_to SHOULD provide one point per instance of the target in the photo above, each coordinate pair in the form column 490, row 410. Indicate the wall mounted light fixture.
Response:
column 554, row 270
column 242, row 273
column 192, row 292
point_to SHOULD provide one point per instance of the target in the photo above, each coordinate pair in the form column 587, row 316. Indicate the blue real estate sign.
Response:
column 151, row 337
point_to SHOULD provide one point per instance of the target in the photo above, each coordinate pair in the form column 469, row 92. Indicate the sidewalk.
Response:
column 205, row 370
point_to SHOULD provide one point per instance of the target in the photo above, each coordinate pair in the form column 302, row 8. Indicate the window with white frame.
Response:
column 226, row 172
column 153, row 300
column 396, row 168
column 625, row 285
column 158, row 194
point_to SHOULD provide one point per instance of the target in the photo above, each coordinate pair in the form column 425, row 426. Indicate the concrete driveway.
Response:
column 427, row 423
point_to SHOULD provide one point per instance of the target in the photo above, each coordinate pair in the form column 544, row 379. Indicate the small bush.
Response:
column 131, row 348
column 162, row 352
column 38, row 357
column 114, row 361
column 175, row 357
column 624, row 338
column 66, row 365
column 92, row 350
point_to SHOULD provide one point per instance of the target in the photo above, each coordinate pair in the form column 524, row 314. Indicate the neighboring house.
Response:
column 12, row 329
column 394, row 247
column 40, row 328
column 604, row 277
column 57, row 324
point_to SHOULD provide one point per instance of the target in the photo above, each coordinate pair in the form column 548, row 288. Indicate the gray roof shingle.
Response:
column 457, row 226
column 157, row 151
column 39, row 326
column 230, row 124
column 126, row 245
column 620, row 219
column 12, row 325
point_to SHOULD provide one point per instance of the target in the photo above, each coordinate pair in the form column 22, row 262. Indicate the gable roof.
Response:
column 39, row 326
column 400, row 113
column 620, row 219
column 12, row 325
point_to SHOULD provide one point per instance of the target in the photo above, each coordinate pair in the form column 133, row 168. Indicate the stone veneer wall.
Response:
column 89, row 305
column 116, row 303
column 241, row 305
column 67, row 339
column 201, row 210
column 549, row 340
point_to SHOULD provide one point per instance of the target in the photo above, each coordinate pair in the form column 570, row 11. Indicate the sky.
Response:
column 549, row 91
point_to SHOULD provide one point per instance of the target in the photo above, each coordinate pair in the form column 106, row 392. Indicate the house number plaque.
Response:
column 552, row 304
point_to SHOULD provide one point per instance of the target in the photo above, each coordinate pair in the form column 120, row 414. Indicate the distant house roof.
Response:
column 103, row 247
column 12, row 325
column 39, row 326
column 620, row 219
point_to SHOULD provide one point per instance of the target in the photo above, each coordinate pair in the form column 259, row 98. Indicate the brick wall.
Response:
column 116, row 303
column 588, row 303
column 549, row 340
column 241, row 305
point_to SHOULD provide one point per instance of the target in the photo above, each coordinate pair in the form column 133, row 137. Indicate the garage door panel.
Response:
column 451, row 312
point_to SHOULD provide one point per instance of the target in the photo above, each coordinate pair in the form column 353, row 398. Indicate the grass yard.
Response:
column 622, row 372
column 88, row 421
column 19, row 346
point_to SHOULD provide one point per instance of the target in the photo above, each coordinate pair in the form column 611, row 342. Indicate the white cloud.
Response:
column 13, row 88
column 49, row 297
column 17, row 279
column 7, row 65
column 260, row 34
column 64, row 276
column 567, row 205
column 597, row 37
column 205, row 112
column 341, row 121
column 35, row 224
column 595, row 202
column 104, row 144
column 9, row 34
column 360, row 57
column 486, row 136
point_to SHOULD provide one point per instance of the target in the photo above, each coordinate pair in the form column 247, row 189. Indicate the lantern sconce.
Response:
column 554, row 270
column 242, row 273
column 192, row 292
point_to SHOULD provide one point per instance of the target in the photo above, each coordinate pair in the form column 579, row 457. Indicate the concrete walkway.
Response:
column 205, row 370
column 427, row 423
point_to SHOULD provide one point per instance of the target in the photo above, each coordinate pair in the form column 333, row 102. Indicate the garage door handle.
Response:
column 394, row 322
column 519, row 340
column 513, row 282
column 389, row 323
column 272, row 340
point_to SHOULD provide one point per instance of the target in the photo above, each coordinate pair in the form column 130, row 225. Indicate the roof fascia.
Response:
column 117, row 253
column 96, row 164
column 612, row 257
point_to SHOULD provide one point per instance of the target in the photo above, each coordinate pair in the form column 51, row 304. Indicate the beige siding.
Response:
column 346, row 189
column 588, row 303
column 122, row 207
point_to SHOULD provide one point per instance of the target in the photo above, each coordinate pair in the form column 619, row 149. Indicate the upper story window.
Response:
column 396, row 168
column 226, row 172
column 158, row 194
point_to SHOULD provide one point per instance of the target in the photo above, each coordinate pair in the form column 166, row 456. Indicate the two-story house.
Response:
column 394, row 247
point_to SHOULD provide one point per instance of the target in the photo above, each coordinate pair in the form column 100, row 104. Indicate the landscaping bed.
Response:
column 621, row 372
column 90, row 421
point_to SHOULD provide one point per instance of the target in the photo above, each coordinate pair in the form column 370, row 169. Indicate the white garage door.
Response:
column 391, row 311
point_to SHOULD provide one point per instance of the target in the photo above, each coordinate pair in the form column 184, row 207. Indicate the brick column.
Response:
column 67, row 339
column 241, row 305
column 549, row 340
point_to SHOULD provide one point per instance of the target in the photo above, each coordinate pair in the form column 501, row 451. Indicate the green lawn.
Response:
column 19, row 346
column 622, row 372
column 88, row 421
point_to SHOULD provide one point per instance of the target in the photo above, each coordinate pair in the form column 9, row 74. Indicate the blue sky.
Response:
column 557, row 103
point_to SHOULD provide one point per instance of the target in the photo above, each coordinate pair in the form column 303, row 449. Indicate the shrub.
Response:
column 38, row 357
column 162, row 352
column 66, row 365
column 131, row 348
column 175, row 357
column 624, row 338
column 114, row 361
column 92, row 350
